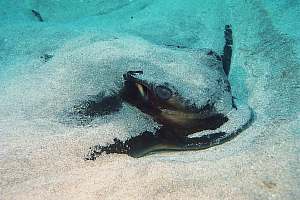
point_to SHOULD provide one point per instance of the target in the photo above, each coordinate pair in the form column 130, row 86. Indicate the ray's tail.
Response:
column 227, row 51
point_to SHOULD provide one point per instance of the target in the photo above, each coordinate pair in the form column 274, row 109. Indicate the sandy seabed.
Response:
column 42, row 158
column 53, row 167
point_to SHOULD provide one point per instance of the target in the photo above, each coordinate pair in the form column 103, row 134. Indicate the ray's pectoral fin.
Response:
column 140, row 145
column 165, row 139
column 227, row 52
column 162, row 140
column 99, row 105
column 117, row 147
column 85, row 111
column 134, row 147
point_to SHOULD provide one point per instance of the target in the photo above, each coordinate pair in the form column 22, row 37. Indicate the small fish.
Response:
column 38, row 15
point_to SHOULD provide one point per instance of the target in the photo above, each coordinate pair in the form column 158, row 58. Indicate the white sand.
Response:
column 42, row 158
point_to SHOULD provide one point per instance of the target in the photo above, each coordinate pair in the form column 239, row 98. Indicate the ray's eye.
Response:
column 163, row 92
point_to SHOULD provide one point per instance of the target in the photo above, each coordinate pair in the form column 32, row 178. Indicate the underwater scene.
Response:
column 149, row 99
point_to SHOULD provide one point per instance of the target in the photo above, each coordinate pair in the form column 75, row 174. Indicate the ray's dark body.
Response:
column 164, row 106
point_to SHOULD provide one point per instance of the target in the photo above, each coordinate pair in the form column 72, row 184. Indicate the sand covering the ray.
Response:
column 42, row 158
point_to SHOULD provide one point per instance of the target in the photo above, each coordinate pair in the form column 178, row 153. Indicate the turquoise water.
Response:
column 38, row 151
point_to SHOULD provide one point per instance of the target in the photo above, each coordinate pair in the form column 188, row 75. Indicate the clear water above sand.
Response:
column 41, row 156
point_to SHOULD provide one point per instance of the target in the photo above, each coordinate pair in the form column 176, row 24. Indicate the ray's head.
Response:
column 165, row 104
